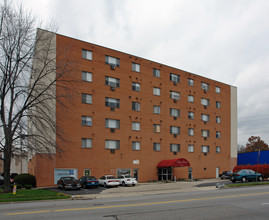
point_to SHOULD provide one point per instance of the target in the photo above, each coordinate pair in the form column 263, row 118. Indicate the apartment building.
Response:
column 133, row 115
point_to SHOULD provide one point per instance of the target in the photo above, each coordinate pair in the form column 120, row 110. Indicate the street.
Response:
column 239, row 203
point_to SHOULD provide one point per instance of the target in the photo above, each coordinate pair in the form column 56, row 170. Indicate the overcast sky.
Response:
column 225, row 40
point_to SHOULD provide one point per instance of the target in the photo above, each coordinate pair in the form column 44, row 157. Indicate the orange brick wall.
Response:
column 99, row 159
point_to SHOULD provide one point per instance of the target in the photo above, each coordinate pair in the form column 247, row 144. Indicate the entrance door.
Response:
column 165, row 174
column 135, row 173
column 190, row 173
column 217, row 172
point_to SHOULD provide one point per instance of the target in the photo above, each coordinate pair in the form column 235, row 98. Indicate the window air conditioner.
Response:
column 205, row 106
column 112, row 88
column 175, row 83
column 205, row 122
column 112, row 130
column 205, row 90
column 113, row 66
column 175, row 101
column 112, row 151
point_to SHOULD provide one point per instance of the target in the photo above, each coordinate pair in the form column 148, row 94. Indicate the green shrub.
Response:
column 28, row 186
column 25, row 179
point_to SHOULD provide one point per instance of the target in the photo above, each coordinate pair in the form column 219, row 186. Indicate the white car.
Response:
column 108, row 180
column 127, row 180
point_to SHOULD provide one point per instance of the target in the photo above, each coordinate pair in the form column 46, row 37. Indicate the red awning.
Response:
column 181, row 162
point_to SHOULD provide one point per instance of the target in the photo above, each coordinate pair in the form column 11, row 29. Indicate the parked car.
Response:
column 12, row 178
column 245, row 174
column 108, row 180
column 226, row 175
column 68, row 182
column 88, row 181
column 1, row 179
column 127, row 180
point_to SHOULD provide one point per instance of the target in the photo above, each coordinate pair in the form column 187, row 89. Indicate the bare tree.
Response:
column 28, row 76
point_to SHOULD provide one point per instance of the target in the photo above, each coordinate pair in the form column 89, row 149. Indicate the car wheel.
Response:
column 260, row 178
column 233, row 181
column 123, row 184
column 105, row 185
column 243, row 180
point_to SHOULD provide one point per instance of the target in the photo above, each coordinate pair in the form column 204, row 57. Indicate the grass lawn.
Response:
column 31, row 194
column 247, row 184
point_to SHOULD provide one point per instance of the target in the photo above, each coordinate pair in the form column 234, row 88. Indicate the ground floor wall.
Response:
column 49, row 168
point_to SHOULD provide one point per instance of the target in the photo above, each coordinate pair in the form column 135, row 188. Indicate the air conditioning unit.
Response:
column 175, row 118
column 113, row 66
column 175, row 101
column 112, row 130
column 112, row 88
column 112, row 109
column 205, row 122
column 205, row 154
column 175, row 83
column 205, row 106
column 175, row 135
column 205, row 90
column 175, row 153
column 112, row 151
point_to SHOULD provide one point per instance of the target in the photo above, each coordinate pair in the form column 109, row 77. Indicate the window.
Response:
column 86, row 143
column 205, row 102
column 112, row 144
column 156, row 91
column 175, row 147
column 135, row 145
column 112, row 123
column 205, row 86
column 174, row 112
column 190, row 98
column 205, row 133
column 112, row 61
column 156, row 147
column 218, row 148
column 218, row 119
column 156, row 109
column 190, row 82
column 174, row 78
column 217, row 134
column 217, row 89
column 113, row 103
column 190, row 115
column 136, row 126
column 110, row 81
column 217, row 104
column 205, row 149
column 190, row 148
column 86, row 98
column 86, row 121
column 86, row 54
column 156, row 72
column 191, row 131
column 136, row 86
column 86, row 76
column 174, row 130
column 136, row 106
column 156, row 128
column 204, row 117
column 135, row 67
column 174, row 95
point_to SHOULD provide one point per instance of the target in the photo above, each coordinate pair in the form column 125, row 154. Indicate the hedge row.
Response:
column 260, row 168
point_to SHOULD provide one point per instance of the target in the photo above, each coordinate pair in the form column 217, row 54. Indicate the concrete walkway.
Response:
column 155, row 188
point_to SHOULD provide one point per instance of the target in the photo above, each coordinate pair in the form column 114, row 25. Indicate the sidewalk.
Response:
column 142, row 189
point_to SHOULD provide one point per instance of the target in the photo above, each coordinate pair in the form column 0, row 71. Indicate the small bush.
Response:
column 25, row 179
column 28, row 186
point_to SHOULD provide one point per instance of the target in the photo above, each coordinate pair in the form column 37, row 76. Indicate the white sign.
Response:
column 135, row 161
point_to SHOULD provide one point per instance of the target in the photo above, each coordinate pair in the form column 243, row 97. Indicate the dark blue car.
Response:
column 246, row 175
column 88, row 181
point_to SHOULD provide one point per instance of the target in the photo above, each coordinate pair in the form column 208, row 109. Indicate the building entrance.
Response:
column 165, row 174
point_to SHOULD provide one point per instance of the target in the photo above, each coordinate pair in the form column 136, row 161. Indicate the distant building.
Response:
column 133, row 115
column 19, row 163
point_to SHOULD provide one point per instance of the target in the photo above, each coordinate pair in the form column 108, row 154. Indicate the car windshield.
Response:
column 69, row 179
column 90, row 178
column 111, row 177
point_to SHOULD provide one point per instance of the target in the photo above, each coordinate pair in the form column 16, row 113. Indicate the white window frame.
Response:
column 174, row 95
column 205, row 86
column 190, row 98
column 205, row 133
column 175, row 147
column 86, row 98
column 86, row 121
column 112, row 61
column 156, row 146
column 111, row 102
column 191, row 131
column 205, row 117
column 217, row 89
column 112, row 144
column 204, row 102
column 136, row 67
column 86, row 143
column 112, row 123
column 191, row 115
column 218, row 119
column 156, row 91
column 86, row 54
column 174, row 112
column 135, row 145
column 157, row 109
column 136, row 86
column 205, row 149
column 190, row 82
column 136, row 106
column 190, row 148
column 111, row 81
column 174, row 78
column 136, row 126
column 174, row 130
column 218, row 104
column 86, row 76
column 156, row 128
column 218, row 149
column 156, row 73
column 218, row 134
